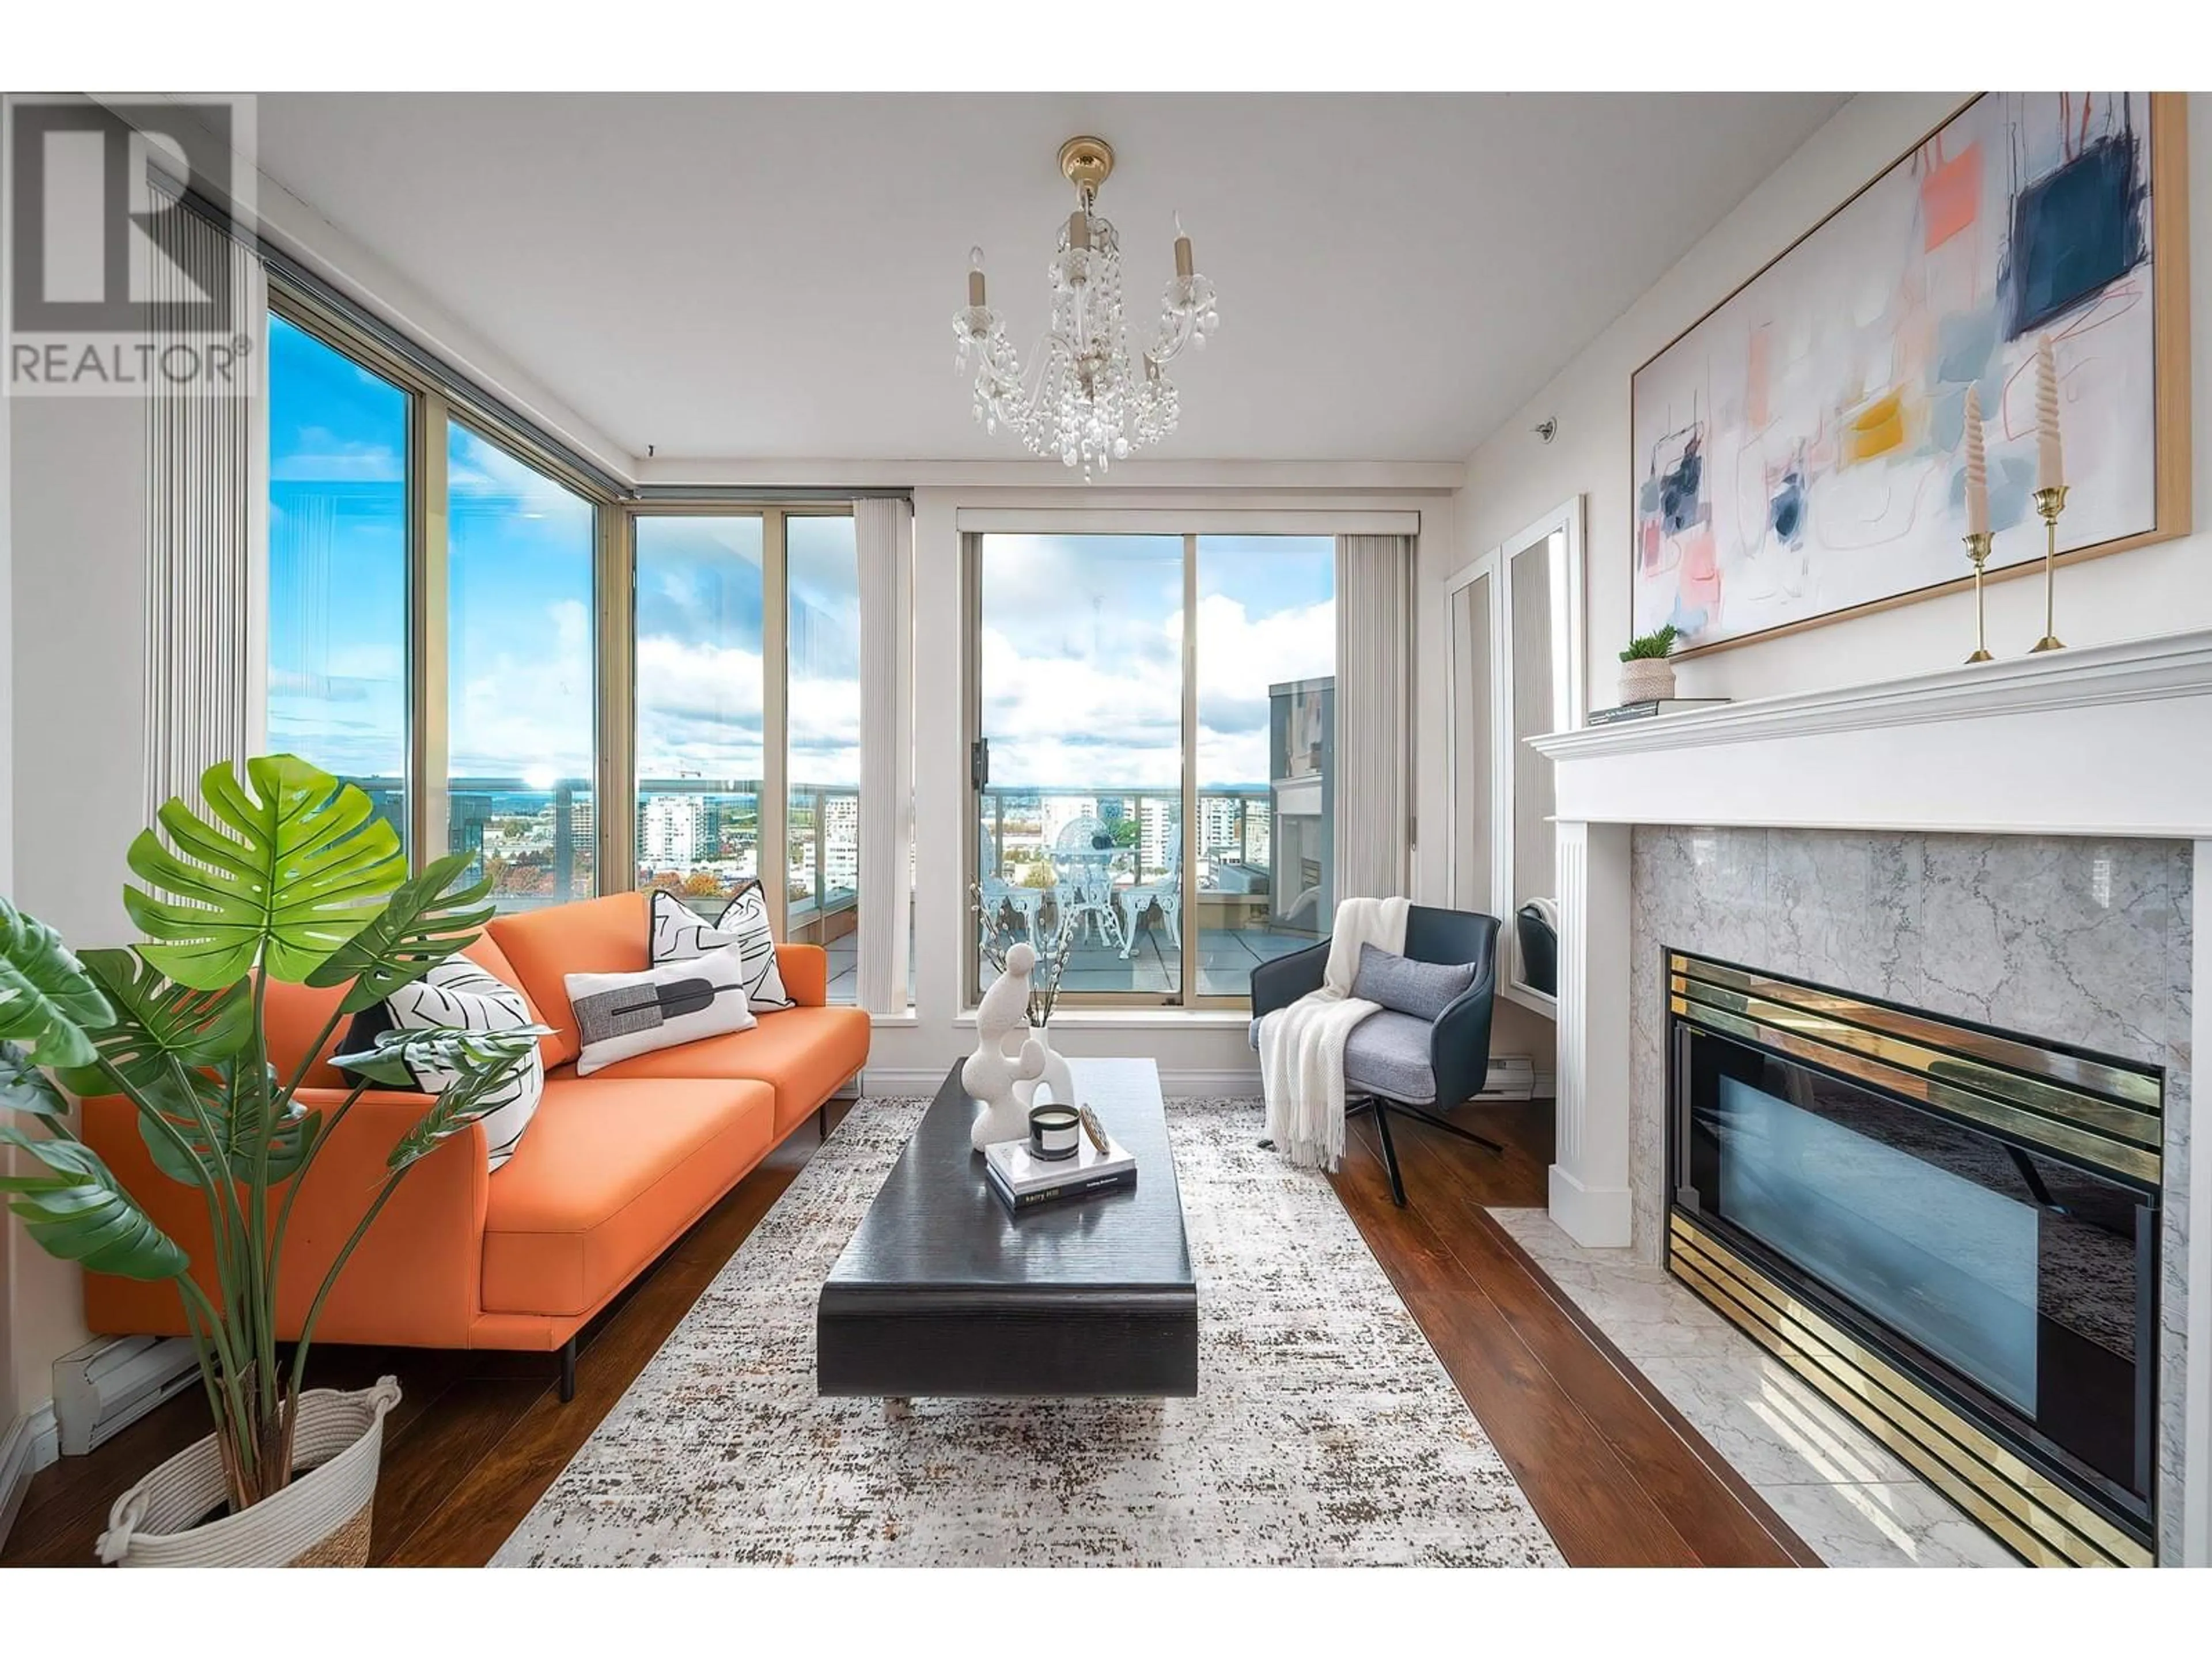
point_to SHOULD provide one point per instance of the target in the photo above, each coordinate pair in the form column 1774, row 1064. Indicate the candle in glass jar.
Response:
column 2050, row 459
column 1978, row 470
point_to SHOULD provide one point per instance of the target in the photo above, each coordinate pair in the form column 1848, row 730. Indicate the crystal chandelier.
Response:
column 1085, row 398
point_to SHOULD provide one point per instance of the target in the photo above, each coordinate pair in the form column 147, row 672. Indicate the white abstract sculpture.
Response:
column 990, row 1074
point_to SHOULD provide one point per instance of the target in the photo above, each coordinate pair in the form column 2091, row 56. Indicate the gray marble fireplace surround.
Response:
column 2078, row 940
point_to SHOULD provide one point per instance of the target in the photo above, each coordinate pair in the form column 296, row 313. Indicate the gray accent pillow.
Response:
column 1423, row 989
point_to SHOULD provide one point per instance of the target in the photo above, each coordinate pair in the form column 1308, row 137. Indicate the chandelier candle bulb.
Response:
column 1184, row 267
column 976, row 277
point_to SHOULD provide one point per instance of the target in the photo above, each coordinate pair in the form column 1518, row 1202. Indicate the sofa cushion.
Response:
column 297, row 1013
column 1423, row 989
column 610, row 1173
column 1387, row 1054
column 805, row 1052
column 679, row 934
column 619, row 1015
column 460, row 994
column 592, row 935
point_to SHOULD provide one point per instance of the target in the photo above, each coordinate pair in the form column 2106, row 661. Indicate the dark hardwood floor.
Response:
column 1612, row 1469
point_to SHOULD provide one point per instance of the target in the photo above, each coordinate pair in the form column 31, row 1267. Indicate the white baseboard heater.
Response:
column 112, row 1382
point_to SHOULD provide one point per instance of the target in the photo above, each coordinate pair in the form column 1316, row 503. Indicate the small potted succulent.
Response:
column 286, row 875
column 1646, row 676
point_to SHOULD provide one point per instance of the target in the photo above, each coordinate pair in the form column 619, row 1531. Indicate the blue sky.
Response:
column 1082, row 635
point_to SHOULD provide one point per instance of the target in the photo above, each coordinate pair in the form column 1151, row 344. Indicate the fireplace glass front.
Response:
column 1934, row 1207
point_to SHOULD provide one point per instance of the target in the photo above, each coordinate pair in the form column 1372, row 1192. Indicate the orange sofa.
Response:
column 613, row 1168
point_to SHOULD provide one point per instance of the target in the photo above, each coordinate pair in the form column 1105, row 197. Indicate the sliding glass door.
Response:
column 1155, row 743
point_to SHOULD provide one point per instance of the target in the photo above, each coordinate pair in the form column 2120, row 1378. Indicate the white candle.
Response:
column 2050, row 459
column 976, row 277
column 1978, row 472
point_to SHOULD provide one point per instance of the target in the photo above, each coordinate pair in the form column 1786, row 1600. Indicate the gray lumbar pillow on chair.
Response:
column 1423, row 989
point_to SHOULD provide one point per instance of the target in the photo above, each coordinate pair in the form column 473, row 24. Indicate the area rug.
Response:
column 1324, row 1430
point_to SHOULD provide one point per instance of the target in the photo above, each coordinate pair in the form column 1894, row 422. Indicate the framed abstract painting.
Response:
column 1799, row 452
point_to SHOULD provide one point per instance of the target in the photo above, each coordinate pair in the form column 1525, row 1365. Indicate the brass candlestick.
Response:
column 1978, row 551
column 2049, row 503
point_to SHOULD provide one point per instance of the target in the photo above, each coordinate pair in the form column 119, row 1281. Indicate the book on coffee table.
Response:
column 1023, row 1181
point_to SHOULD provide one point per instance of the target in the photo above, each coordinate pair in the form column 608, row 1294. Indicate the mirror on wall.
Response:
column 1516, row 667
column 1472, row 603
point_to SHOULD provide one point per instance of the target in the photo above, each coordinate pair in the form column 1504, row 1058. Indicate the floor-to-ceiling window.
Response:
column 339, row 513
column 1157, row 716
column 822, row 769
column 1266, row 771
column 520, row 675
column 698, row 611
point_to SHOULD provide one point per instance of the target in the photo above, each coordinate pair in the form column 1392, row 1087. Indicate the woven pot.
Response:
column 1646, row 679
column 320, row 1520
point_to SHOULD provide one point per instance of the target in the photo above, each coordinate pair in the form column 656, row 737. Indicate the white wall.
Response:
column 76, row 510
column 1514, row 476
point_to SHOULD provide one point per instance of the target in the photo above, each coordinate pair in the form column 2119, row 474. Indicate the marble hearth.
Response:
column 2018, row 844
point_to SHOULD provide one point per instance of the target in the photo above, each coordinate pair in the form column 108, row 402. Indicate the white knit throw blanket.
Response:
column 1302, row 1046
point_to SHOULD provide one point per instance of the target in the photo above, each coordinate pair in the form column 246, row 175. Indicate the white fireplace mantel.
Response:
column 2102, row 740
column 2108, row 740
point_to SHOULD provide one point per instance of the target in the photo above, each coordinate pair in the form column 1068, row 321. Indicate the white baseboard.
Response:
column 112, row 1382
column 27, row 1445
column 1595, row 1218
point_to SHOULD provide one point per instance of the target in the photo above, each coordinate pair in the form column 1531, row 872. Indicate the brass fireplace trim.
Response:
column 2038, row 1520
column 2124, row 1084
column 2106, row 1130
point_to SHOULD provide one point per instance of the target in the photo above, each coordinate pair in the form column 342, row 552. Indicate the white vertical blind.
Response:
column 1373, row 646
column 207, row 523
column 884, row 532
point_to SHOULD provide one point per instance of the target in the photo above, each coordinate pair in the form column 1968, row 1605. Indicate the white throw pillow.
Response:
column 456, row 995
column 679, row 935
column 619, row 1015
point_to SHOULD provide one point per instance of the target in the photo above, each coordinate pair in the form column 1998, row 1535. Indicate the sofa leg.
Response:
column 567, row 1371
column 822, row 1121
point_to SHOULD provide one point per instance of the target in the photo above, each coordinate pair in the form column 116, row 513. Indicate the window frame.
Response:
column 974, row 527
column 772, row 848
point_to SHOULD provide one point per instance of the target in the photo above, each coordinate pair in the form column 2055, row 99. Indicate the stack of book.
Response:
column 1023, row 1181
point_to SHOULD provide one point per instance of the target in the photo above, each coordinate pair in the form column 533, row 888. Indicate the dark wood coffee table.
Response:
column 941, row 1291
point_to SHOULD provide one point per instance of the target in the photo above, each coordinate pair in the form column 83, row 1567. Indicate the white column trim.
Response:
column 882, row 533
column 1589, row 1191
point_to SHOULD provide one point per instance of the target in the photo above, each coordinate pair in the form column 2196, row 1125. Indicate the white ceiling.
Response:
column 774, row 277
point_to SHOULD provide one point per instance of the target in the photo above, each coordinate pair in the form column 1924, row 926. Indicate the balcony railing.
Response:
column 539, row 841
column 1232, row 844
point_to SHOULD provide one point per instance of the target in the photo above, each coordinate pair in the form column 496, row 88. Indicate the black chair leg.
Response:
column 1436, row 1122
column 1390, row 1155
column 567, row 1371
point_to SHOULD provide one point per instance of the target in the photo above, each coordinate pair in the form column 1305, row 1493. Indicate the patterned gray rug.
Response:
column 1324, row 1433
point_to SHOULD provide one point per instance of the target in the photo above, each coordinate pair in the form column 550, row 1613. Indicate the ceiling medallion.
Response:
column 1085, row 398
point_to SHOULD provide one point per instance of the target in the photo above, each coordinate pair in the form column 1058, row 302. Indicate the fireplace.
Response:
column 1952, row 1231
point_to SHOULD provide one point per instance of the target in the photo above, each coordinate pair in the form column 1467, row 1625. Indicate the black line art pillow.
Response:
column 680, row 934
column 456, row 995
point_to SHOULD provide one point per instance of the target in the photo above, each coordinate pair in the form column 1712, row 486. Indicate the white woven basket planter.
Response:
column 1646, row 679
column 320, row 1520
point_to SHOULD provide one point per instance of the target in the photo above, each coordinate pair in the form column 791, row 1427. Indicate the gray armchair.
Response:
column 1397, row 1063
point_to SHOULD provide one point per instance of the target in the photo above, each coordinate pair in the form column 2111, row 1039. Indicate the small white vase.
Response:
column 1646, row 679
column 320, row 1520
column 1057, row 1084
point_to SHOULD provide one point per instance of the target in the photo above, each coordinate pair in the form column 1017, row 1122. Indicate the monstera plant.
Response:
column 288, row 876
